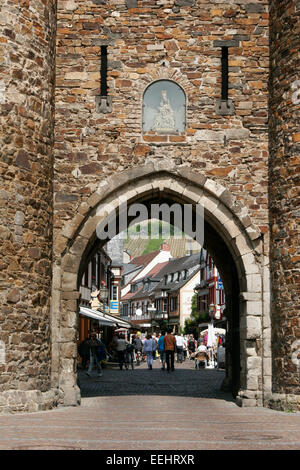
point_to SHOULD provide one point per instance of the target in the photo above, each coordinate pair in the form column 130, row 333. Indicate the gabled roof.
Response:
column 143, row 260
column 128, row 268
column 172, row 266
column 178, row 264
column 130, row 295
column 140, row 293
column 157, row 268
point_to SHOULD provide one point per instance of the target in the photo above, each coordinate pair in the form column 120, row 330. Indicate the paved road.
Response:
column 152, row 410
column 185, row 381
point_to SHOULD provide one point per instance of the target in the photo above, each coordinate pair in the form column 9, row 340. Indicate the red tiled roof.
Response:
column 156, row 269
column 130, row 294
column 144, row 259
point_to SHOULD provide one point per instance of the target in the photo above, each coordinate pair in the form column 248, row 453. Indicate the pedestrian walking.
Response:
column 192, row 345
column 162, row 350
column 84, row 351
column 121, row 350
column 179, row 347
column 95, row 346
column 138, row 346
column 185, row 351
column 154, row 352
column 149, row 348
column 170, row 345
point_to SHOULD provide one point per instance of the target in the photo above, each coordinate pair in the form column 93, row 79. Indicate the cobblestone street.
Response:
column 152, row 410
column 185, row 381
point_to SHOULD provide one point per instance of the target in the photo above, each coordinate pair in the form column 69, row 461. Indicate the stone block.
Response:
column 78, row 247
column 226, row 43
column 193, row 193
column 103, row 104
column 232, row 228
column 255, row 8
column 210, row 136
column 242, row 245
column 222, row 214
column 71, row 263
column 253, row 283
column 253, row 232
column 224, row 107
column 210, row 204
column 253, row 363
column 69, row 281
column 237, row 134
column 254, row 308
column 214, row 187
column 192, row 177
column 251, row 296
column 251, row 266
column 250, row 327
column 252, row 382
column 185, row 3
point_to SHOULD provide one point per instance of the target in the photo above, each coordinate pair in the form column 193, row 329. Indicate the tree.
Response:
column 191, row 324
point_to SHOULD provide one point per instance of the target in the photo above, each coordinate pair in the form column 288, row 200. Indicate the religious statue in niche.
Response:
column 164, row 108
column 164, row 120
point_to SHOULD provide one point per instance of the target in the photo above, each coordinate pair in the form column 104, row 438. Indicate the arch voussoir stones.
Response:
column 223, row 212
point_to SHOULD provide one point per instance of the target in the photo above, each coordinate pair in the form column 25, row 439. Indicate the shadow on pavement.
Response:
column 185, row 381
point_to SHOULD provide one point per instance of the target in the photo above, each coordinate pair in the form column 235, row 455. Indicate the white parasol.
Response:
column 211, row 337
column 218, row 331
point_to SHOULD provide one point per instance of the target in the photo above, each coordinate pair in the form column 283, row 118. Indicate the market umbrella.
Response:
column 220, row 331
column 211, row 337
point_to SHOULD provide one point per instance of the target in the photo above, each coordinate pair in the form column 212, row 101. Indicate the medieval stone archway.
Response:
column 240, row 244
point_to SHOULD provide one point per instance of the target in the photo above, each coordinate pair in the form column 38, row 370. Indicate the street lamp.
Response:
column 103, row 293
column 211, row 311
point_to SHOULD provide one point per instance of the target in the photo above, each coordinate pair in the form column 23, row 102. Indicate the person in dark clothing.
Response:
column 95, row 344
column 84, row 351
column 170, row 345
column 191, row 345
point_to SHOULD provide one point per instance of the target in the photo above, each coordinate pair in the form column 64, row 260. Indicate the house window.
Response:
column 114, row 292
column 165, row 305
column 173, row 304
column 125, row 310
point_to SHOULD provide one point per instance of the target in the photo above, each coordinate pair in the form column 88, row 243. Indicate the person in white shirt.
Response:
column 202, row 348
column 179, row 347
column 121, row 348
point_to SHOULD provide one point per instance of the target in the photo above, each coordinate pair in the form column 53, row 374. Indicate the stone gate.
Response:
column 194, row 100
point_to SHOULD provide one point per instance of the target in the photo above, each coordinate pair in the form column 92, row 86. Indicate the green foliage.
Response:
column 153, row 245
column 191, row 324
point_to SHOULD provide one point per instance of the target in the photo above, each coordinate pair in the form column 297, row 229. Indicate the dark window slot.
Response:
column 224, row 61
column 103, row 71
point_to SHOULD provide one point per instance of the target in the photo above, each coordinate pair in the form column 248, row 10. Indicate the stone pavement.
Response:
column 152, row 410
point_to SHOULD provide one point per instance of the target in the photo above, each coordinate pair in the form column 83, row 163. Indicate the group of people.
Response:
column 164, row 346
column 92, row 351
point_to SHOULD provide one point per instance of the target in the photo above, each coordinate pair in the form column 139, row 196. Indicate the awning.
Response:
column 117, row 320
column 103, row 320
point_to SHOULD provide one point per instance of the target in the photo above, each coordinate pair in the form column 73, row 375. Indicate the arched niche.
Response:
column 164, row 108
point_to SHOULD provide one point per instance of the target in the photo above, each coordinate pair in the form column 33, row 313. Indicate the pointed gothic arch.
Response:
column 239, row 256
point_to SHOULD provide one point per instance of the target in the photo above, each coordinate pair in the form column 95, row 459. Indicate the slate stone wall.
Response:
column 148, row 40
column 284, row 192
column 26, row 173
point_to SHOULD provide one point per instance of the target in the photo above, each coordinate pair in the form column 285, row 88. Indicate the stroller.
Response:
column 200, row 359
